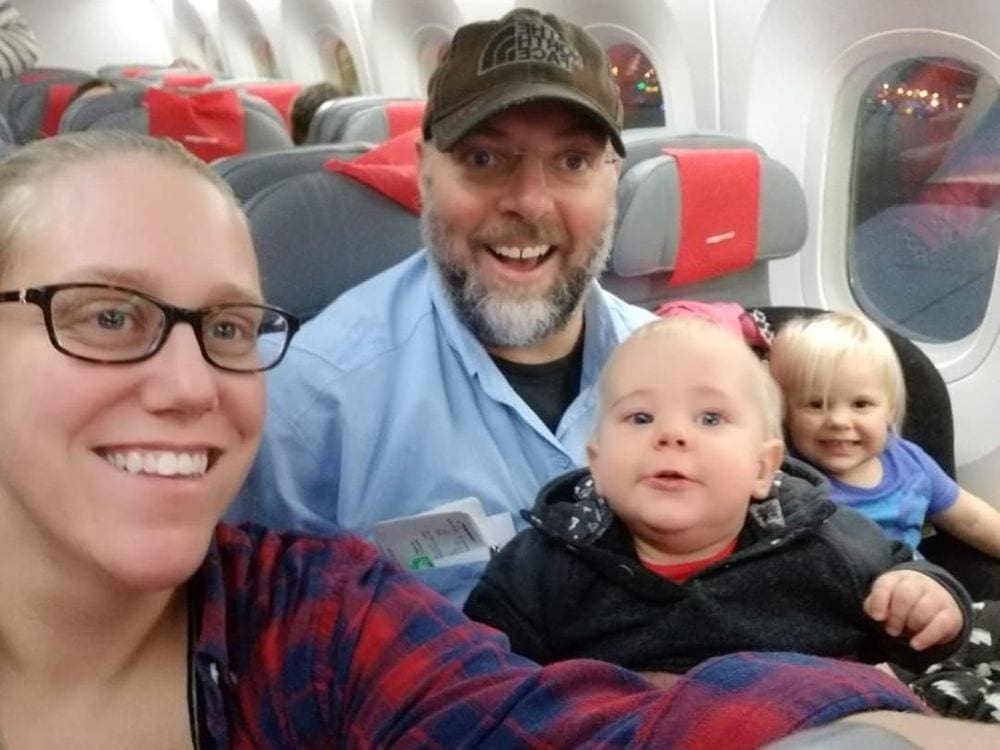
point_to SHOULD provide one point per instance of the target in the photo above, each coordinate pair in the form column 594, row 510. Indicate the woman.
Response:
column 132, row 402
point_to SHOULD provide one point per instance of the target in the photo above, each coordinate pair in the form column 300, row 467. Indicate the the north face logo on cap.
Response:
column 528, row 41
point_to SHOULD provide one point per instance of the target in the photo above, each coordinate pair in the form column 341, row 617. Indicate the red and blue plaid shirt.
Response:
column 319, row 643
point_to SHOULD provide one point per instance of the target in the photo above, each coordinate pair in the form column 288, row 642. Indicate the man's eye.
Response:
column 710, row 418
column 481, row 158
column 639, row 417
column 575, row 161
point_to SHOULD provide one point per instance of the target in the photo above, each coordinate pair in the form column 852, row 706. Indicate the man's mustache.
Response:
column 511, row 231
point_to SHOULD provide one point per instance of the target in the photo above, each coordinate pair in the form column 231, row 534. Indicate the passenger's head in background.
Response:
column 845, row 391
column 185, row 63
column 520, row 154
column 308, row 100
column 688, row 432
column 129, row 384
column 92, row 87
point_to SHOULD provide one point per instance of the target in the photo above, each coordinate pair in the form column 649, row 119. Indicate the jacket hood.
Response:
column 570, row 509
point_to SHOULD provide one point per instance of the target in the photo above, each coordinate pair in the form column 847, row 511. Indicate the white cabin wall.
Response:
column 86, row 35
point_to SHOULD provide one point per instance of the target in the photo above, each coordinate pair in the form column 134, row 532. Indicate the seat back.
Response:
column 6, row 135
column 668, row 220
column 321, row 233
column 383, row 121
column 248, row 174
column 34, row 109
column 37, row 75
column 279, row 94
column 330, row 119
column 263, row 129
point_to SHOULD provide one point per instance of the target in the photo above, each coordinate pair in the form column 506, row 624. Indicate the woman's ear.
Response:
column 769, row 461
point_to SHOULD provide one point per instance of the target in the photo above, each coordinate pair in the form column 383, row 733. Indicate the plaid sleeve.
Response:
column 405, row 669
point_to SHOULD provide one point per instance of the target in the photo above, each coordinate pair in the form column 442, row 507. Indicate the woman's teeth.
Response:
column 159, row 463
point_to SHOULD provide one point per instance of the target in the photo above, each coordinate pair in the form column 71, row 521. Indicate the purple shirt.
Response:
column 913, row 488
column 318, row 643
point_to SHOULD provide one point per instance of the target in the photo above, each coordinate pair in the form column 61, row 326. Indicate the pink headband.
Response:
column 751, row 326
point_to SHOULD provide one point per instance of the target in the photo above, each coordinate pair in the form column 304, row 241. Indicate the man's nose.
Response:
column 528, row 192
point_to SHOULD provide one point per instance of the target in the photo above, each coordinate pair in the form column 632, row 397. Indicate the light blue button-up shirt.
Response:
column 387, row 406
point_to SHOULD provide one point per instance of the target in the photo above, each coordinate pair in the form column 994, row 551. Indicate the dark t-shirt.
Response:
column 548, row 388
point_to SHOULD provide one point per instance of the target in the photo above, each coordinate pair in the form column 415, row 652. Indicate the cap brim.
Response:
column 451, row 128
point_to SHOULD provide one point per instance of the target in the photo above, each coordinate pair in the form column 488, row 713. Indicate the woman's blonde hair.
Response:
column 806, row 353
column 25, row 172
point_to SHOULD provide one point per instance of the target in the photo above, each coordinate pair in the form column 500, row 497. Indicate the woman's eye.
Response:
column 111, row 319
column 232, row 329
column 710, row 418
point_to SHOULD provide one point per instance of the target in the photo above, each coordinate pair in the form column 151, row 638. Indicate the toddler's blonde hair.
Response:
column 806, row 353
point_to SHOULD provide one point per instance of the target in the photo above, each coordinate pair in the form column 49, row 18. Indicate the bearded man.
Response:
column 469, row 369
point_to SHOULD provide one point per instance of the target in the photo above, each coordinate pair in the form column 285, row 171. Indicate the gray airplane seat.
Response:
column 321, row 233
column 279, row 94
column 37, row 75
column 132, row 71
column 34, row 109
column 248, row 174
column 383, row 121
column 703, row 222
column 160, row 75
column 210, row 124
column 6, row 135
column 331, row 117
column 643, row 143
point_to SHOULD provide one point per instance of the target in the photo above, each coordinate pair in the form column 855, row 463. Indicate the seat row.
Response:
column 225, row 116
column 320, row 228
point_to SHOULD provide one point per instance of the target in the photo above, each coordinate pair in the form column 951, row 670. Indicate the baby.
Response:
column 684, row 540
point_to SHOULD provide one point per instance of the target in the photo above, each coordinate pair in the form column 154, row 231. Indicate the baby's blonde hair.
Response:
column 763, row 389
column 806, row 353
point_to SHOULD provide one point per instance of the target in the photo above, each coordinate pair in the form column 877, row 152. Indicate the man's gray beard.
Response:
column 518, row 319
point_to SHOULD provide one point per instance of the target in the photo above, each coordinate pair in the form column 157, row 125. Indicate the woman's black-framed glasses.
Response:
column 116, row 325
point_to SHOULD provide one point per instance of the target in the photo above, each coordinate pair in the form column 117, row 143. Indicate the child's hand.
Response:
column 908, row 601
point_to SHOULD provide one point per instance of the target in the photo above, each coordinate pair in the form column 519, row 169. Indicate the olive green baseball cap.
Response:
column 523, row 57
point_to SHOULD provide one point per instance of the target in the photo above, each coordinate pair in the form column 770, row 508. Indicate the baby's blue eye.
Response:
column 640, row 417
column 710, row 418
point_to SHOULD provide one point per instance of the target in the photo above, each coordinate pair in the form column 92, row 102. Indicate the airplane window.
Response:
column 210, row 53
column 337, row 62
column 263, row 56
column 639, row 84
column 925, row 211
column 432, row 42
